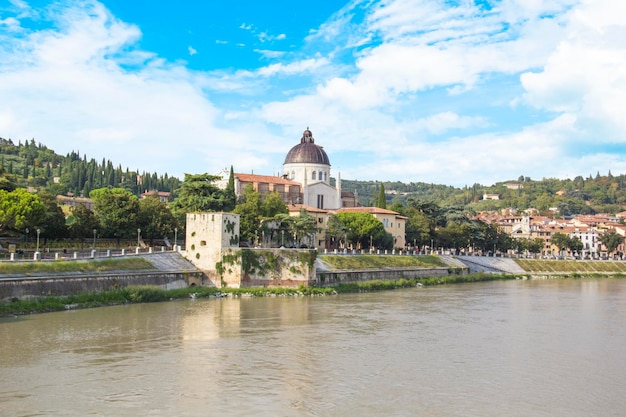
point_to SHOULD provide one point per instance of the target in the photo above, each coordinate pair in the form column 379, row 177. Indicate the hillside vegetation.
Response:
column 32, row 164
column 593, row 194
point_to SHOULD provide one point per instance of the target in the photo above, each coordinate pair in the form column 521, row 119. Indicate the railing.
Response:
column 47, row 255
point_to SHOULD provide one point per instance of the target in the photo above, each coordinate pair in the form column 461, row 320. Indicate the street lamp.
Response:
column 38, row 231
column 138, row 236
column 175, row 237
column 27, row 231
column 94, row 238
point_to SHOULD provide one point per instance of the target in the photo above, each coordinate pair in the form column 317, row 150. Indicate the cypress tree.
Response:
column 230, row 199
column 381, row 202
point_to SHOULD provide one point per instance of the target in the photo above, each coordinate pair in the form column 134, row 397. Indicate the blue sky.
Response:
column 450, row 92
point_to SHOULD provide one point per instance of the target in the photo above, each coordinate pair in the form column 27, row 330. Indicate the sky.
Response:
column 452, row 92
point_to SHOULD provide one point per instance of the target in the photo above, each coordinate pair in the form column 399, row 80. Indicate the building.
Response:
column 306, row 184
column 163, row 196
column 308, row 164
column 71, row 201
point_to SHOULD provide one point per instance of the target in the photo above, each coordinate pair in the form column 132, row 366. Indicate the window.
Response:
column 313, row 175
column 320, row 201
column 319, row 175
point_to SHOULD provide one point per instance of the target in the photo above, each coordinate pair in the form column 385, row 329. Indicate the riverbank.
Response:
column 146, row 294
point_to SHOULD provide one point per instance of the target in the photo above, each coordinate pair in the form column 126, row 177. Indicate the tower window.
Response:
column 313, row 175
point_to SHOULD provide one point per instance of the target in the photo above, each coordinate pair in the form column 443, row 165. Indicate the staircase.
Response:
column 170, row 262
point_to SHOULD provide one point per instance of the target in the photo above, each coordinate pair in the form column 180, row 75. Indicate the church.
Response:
column 305, row 180
column 306, row 184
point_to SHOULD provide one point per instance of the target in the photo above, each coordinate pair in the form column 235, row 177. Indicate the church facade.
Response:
column 307, row 163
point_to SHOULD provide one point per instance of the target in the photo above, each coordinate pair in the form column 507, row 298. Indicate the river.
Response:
column 512, row 348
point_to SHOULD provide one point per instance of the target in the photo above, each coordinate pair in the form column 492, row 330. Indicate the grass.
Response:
column 149, row 293
column 381, row 261
column 104, row 265
column 570, row 266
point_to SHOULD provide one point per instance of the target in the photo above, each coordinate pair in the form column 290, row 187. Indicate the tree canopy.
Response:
column 117, row 211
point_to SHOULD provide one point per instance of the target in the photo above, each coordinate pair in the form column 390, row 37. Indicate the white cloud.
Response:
column 270, row 54
column 75, row 95
column 11, row 23
column 297, row 67
column 586, row 74
column 416, row 90
column 192, row 51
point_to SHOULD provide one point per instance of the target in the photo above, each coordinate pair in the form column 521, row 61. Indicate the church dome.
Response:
column 307, row 152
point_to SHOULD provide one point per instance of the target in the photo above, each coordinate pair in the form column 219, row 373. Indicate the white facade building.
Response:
column 308, row 164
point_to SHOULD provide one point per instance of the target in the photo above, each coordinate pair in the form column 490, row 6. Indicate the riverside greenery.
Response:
column 145, row 294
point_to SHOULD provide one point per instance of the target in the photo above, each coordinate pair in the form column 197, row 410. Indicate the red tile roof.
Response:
column 270, row 179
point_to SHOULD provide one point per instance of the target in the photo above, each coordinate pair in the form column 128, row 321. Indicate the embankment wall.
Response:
column 330, row 278
column 58, row 285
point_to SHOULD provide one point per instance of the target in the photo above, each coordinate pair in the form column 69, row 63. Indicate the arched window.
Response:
column 293, row 175
column 313, row 175
column 319, row 175
column 325, row 177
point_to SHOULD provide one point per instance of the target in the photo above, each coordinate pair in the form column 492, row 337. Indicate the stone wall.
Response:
column 328, row 278
column 266, row 268
column 59, row 285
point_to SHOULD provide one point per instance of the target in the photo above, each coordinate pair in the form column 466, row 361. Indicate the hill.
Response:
column 32, row 164
column 599, row 194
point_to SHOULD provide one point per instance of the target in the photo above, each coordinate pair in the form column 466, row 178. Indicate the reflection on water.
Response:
column 539, row 348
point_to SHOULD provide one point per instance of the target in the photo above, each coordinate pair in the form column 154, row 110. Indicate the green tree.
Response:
column 8, row 182
column 53, row 221
column 272, row 205
column 20, row 209
column 418, row 227
column 363, row 228
column 249, row 210
column 230, row 199
column 531, row 245
column 197, row 193
column 117, row 211
column 155, row 219
column 381, row 201
column 611, row 240
column 301, row 227
column 560, row 240
column 82, row 222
